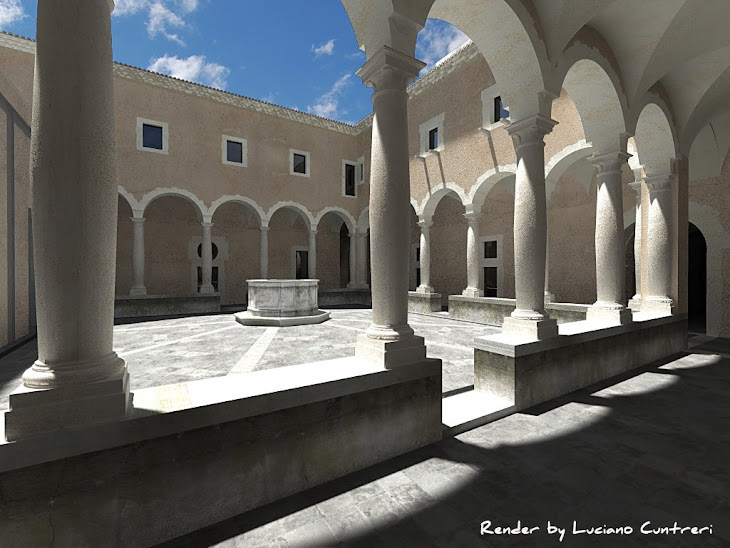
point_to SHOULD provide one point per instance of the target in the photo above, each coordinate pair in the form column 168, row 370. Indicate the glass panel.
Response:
column 300, row 163
column 490, row 281
column 433, row 138
column 234, row 152
column 490, row 249
column 151, row 136
column 349, row 179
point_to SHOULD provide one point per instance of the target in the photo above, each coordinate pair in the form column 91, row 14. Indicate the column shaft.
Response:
column 530, row 229
column 472, row 257
column 659, row 255
column 74, row 183
column 312, row 253
column 425, row 258
column 609, row 242
column 207, row 256
column 138, row 287
column 352, row 259
column 635, row 302
column 264, row 252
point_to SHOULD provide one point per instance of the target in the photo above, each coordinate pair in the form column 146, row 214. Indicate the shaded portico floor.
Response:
column 651, row 446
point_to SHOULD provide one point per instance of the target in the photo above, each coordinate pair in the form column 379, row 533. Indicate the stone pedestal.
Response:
column 421, row 302
column 390, row 353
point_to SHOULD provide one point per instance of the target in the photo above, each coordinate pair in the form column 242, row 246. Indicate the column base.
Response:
column 390, row 354
column 472, row 292
column 424, row 289
column 41, row 410
column 658, row 306
column 549, row 297
column 525, row 328
column 635, row 303
column 207, row 289
column 142, row 290
column 610, row 316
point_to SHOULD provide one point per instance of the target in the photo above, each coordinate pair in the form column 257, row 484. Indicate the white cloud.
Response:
column 10, row 12
column 194, row 69
column 161, row 19
column 327, row 104
column 162, row 15
column 325, row 48
column 436, row 41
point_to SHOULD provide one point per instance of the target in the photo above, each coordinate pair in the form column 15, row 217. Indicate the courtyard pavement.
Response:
column 170, row 351
column 650, row 446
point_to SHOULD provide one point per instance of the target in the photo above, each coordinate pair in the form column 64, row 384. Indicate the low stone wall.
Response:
column 493, row 310
column 138, row 306
column 344, row 297
column 583, row 354
column 424, row 303
column 197, row 453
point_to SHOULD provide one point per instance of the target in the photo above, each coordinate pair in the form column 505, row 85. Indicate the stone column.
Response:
column 138, row 287
column 529, row 319
column 264, row 252
column 353, row 258
column 425, row 258
column 390, row 341
column 207, row 256
column 78, row 379
column 472, row 257
column 659, row 256
column 635, row 302
column 610, row 252
column 363, row 246
column 312, row 253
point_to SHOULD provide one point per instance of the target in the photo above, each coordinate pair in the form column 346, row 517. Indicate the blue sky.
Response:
column 295, row 53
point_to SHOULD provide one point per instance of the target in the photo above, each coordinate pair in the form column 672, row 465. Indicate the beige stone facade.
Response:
column 472, row 171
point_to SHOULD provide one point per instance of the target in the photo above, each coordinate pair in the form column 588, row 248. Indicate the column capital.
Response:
column 352, row 232
column 389, row 69
column 530, row 130
column 658, row 183
column 472, row 217
column 610, row 162
column 139, row 220
column 206, row 224
column 425, row 224
column 264, row 228
column 636, row 186
column 313, row 229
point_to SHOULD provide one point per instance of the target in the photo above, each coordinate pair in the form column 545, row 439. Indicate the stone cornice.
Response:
column 443, row 68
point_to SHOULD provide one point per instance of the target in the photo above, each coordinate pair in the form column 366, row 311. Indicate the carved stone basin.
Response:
column 282, row 303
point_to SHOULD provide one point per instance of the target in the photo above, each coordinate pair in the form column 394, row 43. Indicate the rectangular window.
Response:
column 490, row 249
column 499, row 110
column 433, row 139
column 362, row 171
column 418, row 277
column 302, row 258
column 490, row 281
column 349, row 180
column 234, row 152
column 418, row 254
column 152, row 136
column 300, row 163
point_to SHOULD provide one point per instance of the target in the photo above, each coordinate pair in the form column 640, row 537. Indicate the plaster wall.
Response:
column 448, row 249
column 125, row 231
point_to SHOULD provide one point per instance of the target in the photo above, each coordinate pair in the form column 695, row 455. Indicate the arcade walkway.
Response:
column 652, row 447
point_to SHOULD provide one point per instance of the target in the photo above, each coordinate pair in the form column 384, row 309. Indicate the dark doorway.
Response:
column 344, row 255
column 630, row 288
column 302, row 264
column 697, row 281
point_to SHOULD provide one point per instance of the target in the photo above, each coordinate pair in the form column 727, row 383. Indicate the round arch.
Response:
column 248, row 202
column 296, row 206
column 562, row 161
column 131, row 200
column 345, row 215
column 484, row 185
column 198, row 204
column 363, row 221
column 600, row 104
column 654, row 136
column 430, row 202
